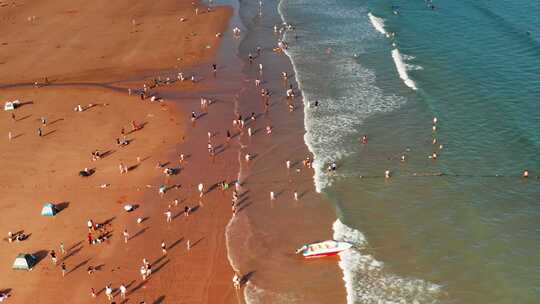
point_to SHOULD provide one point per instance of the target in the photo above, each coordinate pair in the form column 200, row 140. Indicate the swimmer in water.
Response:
column 364, row 139
column 525, row 173
column 332, row 168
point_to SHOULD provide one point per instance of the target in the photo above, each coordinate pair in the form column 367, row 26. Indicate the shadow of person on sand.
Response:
column 48, row 133
column 247, row 277
column 108, row 221
column 72, row 252
column 107, row 153
column 171, row 246
column 23, row 118
column 139, row 233
column 81, row 264
column 5, row 291
column 158, row 268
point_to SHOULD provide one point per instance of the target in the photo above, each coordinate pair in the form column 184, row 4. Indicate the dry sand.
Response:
column 96, row 42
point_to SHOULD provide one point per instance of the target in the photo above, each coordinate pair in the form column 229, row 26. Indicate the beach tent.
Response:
column 48, row 210
column 24, row 261
column 11, row 105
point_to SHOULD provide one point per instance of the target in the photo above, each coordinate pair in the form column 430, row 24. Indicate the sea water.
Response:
column 461, row 228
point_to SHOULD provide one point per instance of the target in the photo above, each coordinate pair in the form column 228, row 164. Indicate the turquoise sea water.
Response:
column 473, row 234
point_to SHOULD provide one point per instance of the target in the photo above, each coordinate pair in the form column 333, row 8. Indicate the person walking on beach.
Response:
column 272, row 195
column 161, row 190
column 10, row 136
column 109, row 292
column 39, row 132
column 148, row 269
column 193, row 118
column 93, row 292
column 145, row 262
column 126, row 236
column 168, row 215
column 53, row 257
column 186, row 211
column 123, row 291
column 228, row 136
column 236, row 281
column 63, row 266
column 90, row 225
column 201, row 189
column 121, row 168
column 62, row 250
column 214, row 69
column 143, row 272
column 163, row 248
column 295, row 195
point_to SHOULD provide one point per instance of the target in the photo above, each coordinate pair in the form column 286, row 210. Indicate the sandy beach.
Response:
column 88, row 55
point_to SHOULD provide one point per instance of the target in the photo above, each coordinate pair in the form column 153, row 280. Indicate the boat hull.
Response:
column 323, row 249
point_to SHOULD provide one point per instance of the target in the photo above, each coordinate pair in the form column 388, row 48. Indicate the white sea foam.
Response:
column 355, row 98
column 401, row 67
column 378, row 23
column 367, row 281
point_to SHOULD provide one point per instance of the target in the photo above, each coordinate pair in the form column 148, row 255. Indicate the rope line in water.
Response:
column 188, row 186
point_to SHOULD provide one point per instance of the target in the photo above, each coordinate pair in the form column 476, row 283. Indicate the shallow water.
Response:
column 470, row 236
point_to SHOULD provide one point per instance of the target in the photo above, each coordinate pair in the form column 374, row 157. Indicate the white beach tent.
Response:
column 24, row 261
column 11, row 105
column 48, row 210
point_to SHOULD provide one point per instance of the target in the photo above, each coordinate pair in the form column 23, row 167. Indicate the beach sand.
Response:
column 91, row 53
column 76, row 40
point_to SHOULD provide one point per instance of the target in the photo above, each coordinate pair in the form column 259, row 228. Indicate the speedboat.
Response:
column 322, row 249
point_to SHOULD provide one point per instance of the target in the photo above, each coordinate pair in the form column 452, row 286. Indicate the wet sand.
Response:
column 95, row 65
column 265, row 234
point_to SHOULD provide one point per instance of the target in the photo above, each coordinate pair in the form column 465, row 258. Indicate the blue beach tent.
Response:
column 48, row 210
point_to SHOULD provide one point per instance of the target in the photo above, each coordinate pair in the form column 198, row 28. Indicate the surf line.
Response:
column 442, row 174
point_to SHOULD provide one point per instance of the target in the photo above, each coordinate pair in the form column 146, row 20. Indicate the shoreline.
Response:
column 254, row 234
